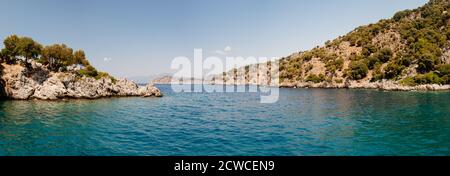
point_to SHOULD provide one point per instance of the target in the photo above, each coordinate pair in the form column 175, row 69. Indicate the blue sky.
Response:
column 141, row 37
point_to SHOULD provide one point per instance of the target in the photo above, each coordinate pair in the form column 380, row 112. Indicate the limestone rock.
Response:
column 150, row 90
column 16, row 84
column 40, row 83
column 51, row 89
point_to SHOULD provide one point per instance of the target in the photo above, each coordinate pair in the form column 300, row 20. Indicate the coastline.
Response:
column 382, row 86
column 17, row 83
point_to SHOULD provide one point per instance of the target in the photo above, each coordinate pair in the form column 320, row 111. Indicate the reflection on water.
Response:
column 303, row 122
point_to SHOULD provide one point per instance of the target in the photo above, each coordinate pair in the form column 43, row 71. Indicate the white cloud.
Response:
column 225, row 51
column 107, row 59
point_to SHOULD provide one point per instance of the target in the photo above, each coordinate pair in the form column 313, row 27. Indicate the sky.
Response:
column 141, row 37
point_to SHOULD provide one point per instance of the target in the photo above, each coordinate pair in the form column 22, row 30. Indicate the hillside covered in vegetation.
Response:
column 410, row 51
column 412, row 48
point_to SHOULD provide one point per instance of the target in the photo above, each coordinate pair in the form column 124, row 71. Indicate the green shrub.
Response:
column 428, row 78
column 392, row 70
column 446, row 79
column 428, row 54
column 377, row 73
column 448, row 33
column 368, row 50
column 105, row 75
column 384, row 55
column 363, row 36
column 408, row 81
column 3, row 57
column 357, row 70
column 424, row 46
column 89, row 71
column 443, row 69
column 307, row 56
column 319, row 53
column 402, row 14
column 329, row 57
column 335, row 65
column 372, row 61
column 405, row 61
column 427, row 63
column 355, row 57
column 315, row 79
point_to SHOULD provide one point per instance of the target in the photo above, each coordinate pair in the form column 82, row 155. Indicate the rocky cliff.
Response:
column 40, row 83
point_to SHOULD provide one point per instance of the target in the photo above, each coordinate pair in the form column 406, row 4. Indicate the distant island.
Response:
column 29, row 70
column 163, row 80
column 410, row 51
column 174, row 80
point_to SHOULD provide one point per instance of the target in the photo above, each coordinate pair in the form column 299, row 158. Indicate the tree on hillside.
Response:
column 80, row 58
column 444, row 71
column 385, row 55
column 357, row 70
column 402, row 14
column 29, row 49
column 57, row 56
column 20, row 47
column 392, row 70
column 10, row 52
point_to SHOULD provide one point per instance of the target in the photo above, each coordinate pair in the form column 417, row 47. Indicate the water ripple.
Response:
column 303, row 122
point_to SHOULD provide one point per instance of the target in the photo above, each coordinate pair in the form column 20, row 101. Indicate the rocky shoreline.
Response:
column 19, row 84
column 379, row 85
column 384, row 86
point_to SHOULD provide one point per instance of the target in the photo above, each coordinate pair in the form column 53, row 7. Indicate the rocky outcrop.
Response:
column 18, row 83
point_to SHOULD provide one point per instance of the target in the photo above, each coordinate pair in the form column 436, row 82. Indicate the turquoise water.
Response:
column 303, row 122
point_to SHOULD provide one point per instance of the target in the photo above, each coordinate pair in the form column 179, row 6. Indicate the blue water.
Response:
column 303, row 122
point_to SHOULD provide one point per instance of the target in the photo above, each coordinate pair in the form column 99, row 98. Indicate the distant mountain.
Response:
column 147, row 79
column 163, row 80
column 170, row 80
